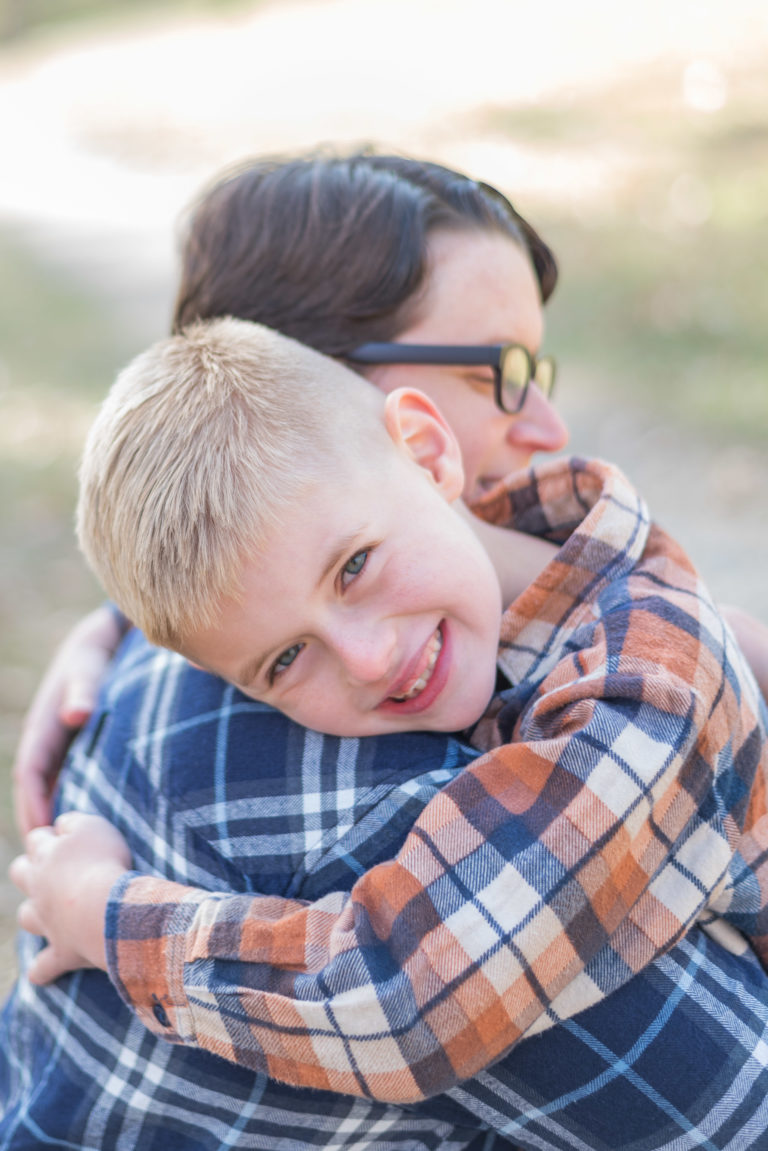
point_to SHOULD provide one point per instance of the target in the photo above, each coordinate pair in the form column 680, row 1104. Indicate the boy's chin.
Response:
column 458, row 719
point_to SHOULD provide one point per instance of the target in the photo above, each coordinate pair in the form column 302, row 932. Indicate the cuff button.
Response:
column 161, row 1015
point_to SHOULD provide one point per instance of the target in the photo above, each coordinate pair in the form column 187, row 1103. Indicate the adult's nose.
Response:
column 537, row 427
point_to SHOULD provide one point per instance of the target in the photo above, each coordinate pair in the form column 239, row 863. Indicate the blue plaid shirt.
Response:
column 211, row 788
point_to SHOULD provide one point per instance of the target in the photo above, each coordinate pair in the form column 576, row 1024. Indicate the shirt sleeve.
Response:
column 539, row 880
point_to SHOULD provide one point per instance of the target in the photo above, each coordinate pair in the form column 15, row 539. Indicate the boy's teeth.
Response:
column 435, row 644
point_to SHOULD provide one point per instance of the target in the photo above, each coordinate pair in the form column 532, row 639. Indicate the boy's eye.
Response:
column 284, row 661
column 354, row 566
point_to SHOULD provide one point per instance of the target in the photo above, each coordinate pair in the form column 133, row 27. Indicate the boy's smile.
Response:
column 415, row 684
column 373, row 609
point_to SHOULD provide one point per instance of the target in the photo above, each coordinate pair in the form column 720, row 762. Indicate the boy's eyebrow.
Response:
column 337, row 553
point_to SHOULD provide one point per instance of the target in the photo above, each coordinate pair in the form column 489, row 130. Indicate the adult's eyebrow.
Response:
column 339, row 550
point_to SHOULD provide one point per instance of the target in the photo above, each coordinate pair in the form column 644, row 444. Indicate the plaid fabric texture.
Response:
column 212, row 788
column 627, row 761
column 675, row 1058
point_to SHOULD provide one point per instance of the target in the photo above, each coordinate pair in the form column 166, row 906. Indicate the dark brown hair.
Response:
column 332, row 250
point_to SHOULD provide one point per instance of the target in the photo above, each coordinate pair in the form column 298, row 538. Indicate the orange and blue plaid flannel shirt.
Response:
column 622, row 800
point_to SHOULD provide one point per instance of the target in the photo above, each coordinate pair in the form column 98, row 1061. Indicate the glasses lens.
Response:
column 545, row 375
column 515, row 374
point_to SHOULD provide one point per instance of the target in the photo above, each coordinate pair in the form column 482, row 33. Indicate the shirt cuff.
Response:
column 146, row 927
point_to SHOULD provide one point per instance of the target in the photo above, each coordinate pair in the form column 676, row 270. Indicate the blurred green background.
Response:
column 648, row 174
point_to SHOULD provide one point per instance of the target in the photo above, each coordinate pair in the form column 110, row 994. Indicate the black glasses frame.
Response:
column 464, row 355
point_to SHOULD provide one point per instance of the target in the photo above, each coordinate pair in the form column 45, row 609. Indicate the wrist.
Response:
column 93, row 898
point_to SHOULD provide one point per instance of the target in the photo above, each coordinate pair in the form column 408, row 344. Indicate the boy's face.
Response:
column 374, row 609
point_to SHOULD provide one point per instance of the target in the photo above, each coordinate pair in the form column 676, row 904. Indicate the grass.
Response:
column 663, row 296
column 61, row 347
column 19, row 18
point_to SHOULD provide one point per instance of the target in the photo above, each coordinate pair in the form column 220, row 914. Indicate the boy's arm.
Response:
column 536, row 883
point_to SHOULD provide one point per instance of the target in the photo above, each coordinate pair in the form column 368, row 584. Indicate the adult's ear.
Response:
column 416, row 425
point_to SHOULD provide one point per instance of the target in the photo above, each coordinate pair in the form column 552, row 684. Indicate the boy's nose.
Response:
column 366, row 653
column 538, row 426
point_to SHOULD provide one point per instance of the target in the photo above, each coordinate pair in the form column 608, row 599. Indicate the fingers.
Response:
column 28, row 919
column 93, row 838
column 22, row 873
column 21, row 870
column 77, row 708
column 49, row 964
column 38, row 841
column 66, row 874
column 19, row 873
column 74, row 822
column 81, row 690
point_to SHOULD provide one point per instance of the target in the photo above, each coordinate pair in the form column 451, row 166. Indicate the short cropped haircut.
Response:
column 198, row 451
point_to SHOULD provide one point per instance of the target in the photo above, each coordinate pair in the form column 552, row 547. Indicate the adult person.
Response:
column 342, row 253
column 339, row 252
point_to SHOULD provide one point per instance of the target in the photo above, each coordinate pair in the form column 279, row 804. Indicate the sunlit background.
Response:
column 635, row 136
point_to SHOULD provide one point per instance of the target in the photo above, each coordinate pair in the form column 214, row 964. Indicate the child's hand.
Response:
column 66, row 875
column 63, row 702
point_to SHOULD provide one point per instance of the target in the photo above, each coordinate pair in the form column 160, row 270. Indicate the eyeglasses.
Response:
column 513, row 365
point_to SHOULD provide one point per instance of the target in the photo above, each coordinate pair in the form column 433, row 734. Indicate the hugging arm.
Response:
column 535, row 884
column 67, row 693
column 62, row 704
column 586, row 1069
column 541, row 879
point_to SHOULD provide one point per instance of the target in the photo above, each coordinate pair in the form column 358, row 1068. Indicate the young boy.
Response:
column 353, row 593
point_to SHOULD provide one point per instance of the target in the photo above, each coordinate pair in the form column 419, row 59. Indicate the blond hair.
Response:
column 198, row 451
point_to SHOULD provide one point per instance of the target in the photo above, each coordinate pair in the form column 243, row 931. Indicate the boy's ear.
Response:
column 415, row 424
